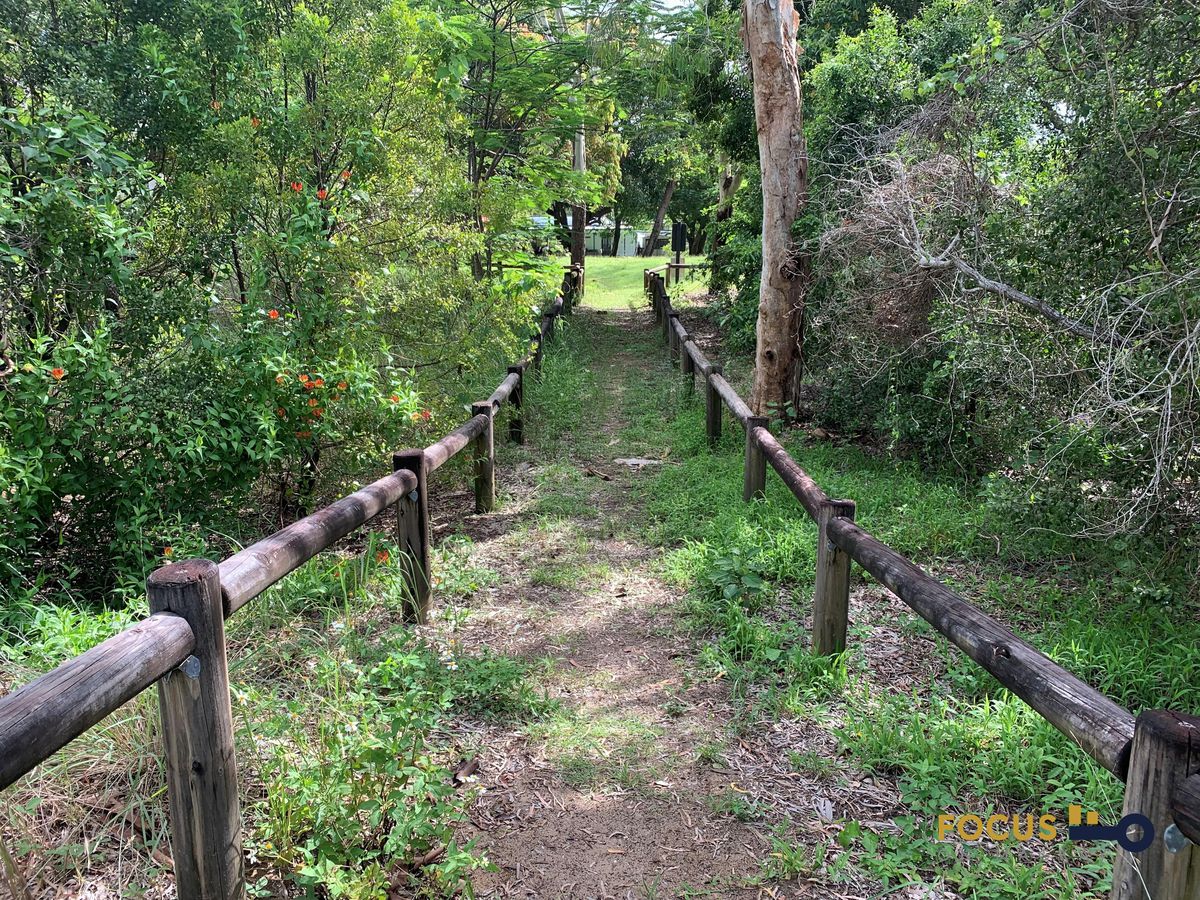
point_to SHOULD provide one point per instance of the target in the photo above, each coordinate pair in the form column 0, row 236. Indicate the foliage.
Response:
column 965, row 154
column 240, row 278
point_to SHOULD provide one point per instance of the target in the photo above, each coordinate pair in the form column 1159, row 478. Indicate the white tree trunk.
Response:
column 769, row 33
column 579, row 211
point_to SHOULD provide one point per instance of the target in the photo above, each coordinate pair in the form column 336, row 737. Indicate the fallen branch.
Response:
column 946, row 260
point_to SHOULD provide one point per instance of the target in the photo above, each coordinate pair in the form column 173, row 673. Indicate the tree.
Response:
column 769, row 30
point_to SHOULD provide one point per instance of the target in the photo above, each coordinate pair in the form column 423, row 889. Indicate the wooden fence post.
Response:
column 831, row 590
column 754, row 470
column 413, row 535
column 712, row 406
column 673, row 336
column 1165, row 751
column 197, row 729
column 687, row 367
column 516, row 424
column 484, row 451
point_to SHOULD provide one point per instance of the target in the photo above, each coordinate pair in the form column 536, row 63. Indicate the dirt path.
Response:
column 622, row 792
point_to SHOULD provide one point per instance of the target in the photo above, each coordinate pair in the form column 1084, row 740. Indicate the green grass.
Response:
column 963, row 742
column 601, row 750
column 615, row 282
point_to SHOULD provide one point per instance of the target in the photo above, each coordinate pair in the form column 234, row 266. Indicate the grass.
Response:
column 601, row 750
column 339, row 711
column 961, row 742
column 615, row 282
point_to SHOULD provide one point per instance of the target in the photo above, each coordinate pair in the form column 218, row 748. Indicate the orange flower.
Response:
column 345, row 175
column 425, row 414
column 303, row 434
column 382, row 557
column 215, row 106
column 320, row 382
column 336, row 397
column 58, row 374
column 297, row 186
column 273, row 314
column 317, row 413
column 313, row 402
column 168, row 550
column 395, row 398
column 342, row 385
column 281, row 412
column 304, row 379
column 310, row 385
column 322, row 194
column 255, row 121
column 279, row 379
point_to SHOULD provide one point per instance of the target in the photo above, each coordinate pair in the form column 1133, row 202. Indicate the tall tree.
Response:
column 769, row 31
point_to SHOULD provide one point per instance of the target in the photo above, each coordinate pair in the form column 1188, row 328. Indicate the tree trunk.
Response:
column 769, row 32
column 660, row 216
column 616, row 239
column 579, row 211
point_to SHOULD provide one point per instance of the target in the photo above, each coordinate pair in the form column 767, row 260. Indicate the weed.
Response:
column 734, row 803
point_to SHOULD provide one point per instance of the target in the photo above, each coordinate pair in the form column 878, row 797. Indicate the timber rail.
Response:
column 181, row 645
column 1156, row 754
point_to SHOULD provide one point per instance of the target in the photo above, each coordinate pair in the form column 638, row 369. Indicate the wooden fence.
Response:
column 1156, row 755
column 181, row 646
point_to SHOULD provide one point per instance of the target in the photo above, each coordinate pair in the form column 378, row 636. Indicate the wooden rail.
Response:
column 181, row 645
column 1157, row 755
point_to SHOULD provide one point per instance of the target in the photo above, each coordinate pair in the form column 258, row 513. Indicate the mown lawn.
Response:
column 615, row 282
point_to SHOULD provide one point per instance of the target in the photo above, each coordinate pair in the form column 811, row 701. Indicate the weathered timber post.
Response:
column 197, row 728
column 687, row 367
column 712, row 406
column 673, row 344
column 754, row 471
column 484, row 451
column 1165, row 751
column 516, row 425
column 831, row 590
column 413, row 535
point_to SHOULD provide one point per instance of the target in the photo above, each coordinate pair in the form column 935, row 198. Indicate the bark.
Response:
column 731, row 180
column 616, row 240
column 668, row 192
column 769, row 33
column 579, row 211
column 578, row 234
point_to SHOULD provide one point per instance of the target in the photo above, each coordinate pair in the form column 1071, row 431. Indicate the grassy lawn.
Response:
column 615, row 282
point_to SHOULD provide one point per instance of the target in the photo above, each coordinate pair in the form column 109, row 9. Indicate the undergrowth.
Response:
column 341, row 714
column 959, row 743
